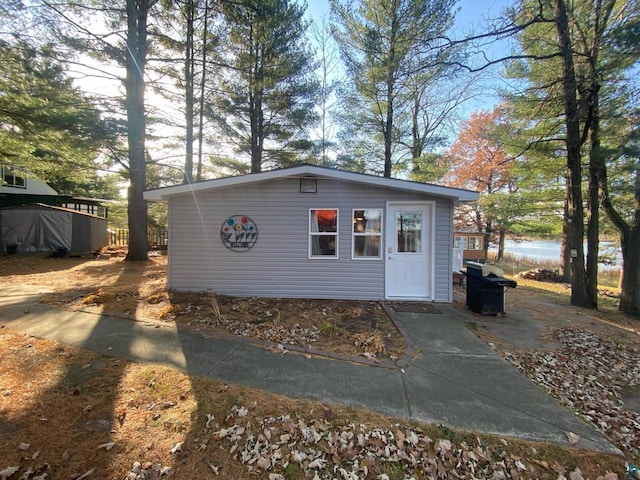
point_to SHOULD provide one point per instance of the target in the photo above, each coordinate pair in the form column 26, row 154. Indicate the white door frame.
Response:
column 428, row 241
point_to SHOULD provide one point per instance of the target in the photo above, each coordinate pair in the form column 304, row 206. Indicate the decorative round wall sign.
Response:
column 239, row 233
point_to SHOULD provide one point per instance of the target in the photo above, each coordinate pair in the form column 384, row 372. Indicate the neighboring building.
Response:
column 15, row 181
column 312, row 232
column 472, row 246
column 35, row 218
column 18, row 187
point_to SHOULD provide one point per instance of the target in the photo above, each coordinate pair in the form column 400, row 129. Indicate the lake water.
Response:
column 542, row 250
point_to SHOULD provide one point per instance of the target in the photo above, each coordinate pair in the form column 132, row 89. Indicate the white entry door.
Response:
column 409, row 265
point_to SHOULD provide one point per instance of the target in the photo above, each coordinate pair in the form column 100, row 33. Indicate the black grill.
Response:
column 485, row 289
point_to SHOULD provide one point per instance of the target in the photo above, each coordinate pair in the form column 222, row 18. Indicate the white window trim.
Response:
column 13, row 172
column 462, row 239
column 311, row 234
column 354, row 235
column 478, row 241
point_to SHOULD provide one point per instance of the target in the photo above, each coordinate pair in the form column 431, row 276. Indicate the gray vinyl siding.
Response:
column 443, row 241
column 278, row 264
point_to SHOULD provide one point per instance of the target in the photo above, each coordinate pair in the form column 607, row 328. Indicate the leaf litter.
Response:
column 235, row 432
column 117, row 288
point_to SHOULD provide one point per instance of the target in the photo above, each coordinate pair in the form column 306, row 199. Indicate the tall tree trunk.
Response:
column 565, row 251
column 601, row 13
column 596, row 164
column 388, row 127
column 388, row 133
column 501, row 244
column 255, row 108
column 201, row 93
column 416, row 140
column 575, row 210
column 629, row 241
column 256, row 133
column 630, row 294
column 189, row 88
column 136, row 127
column 487, row 236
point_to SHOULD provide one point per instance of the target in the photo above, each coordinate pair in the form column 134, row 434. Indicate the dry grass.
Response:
column 512, row 265
column 372, row 343
column 214, row 307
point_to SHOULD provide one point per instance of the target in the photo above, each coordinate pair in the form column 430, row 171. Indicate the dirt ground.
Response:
column 535, row 309
column 138, row 291
column 70, row 414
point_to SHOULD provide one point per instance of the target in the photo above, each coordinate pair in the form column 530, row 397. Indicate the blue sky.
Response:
column 471, row 18
column 471, row 14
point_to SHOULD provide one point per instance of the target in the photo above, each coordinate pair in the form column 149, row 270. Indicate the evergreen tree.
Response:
column 579, row 44
column 49, row 126
column 264, row 92
column 383, row 44
column 137, row 12
column 94, row 30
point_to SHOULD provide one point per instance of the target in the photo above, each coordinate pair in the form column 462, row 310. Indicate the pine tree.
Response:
column 264, row 95
column 384, row 43
column 578, row 44
column 49, row 126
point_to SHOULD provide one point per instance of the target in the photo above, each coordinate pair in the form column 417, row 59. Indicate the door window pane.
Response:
column 409, row 232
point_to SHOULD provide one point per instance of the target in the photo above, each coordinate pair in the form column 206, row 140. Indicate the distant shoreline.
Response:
column 548, row 251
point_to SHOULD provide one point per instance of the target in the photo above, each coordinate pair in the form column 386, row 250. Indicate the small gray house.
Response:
column 312, row 232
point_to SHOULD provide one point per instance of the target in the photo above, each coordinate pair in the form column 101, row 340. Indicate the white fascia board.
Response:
column 165, row 192
column 407, row 185
column 456, row 194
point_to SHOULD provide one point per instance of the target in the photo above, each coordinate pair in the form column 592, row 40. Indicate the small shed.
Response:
column 41, row 228
column 312, row 232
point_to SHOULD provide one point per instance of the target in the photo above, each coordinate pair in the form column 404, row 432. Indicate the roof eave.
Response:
column 457, row 195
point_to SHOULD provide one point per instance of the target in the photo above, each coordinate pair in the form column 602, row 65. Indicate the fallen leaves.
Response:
column 588, row 375
column 320, row 449
column 572, row 437
column 238, row 435
column 98, row 298
column 7, row 472
column 371, row 343
column 295, row 334
column 148, row 470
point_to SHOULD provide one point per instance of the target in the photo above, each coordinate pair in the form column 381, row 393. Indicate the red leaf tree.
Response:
column 478, row 161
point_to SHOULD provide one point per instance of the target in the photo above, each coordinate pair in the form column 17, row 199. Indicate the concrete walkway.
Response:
column 457, row 380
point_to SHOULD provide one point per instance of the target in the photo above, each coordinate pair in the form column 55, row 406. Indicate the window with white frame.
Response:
column 460, row 242
column 13, row 177
column 367, row 233
column 475, row 243
column 323, row 233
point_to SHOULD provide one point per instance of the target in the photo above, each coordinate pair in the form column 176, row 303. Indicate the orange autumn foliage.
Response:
column 477, row 160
